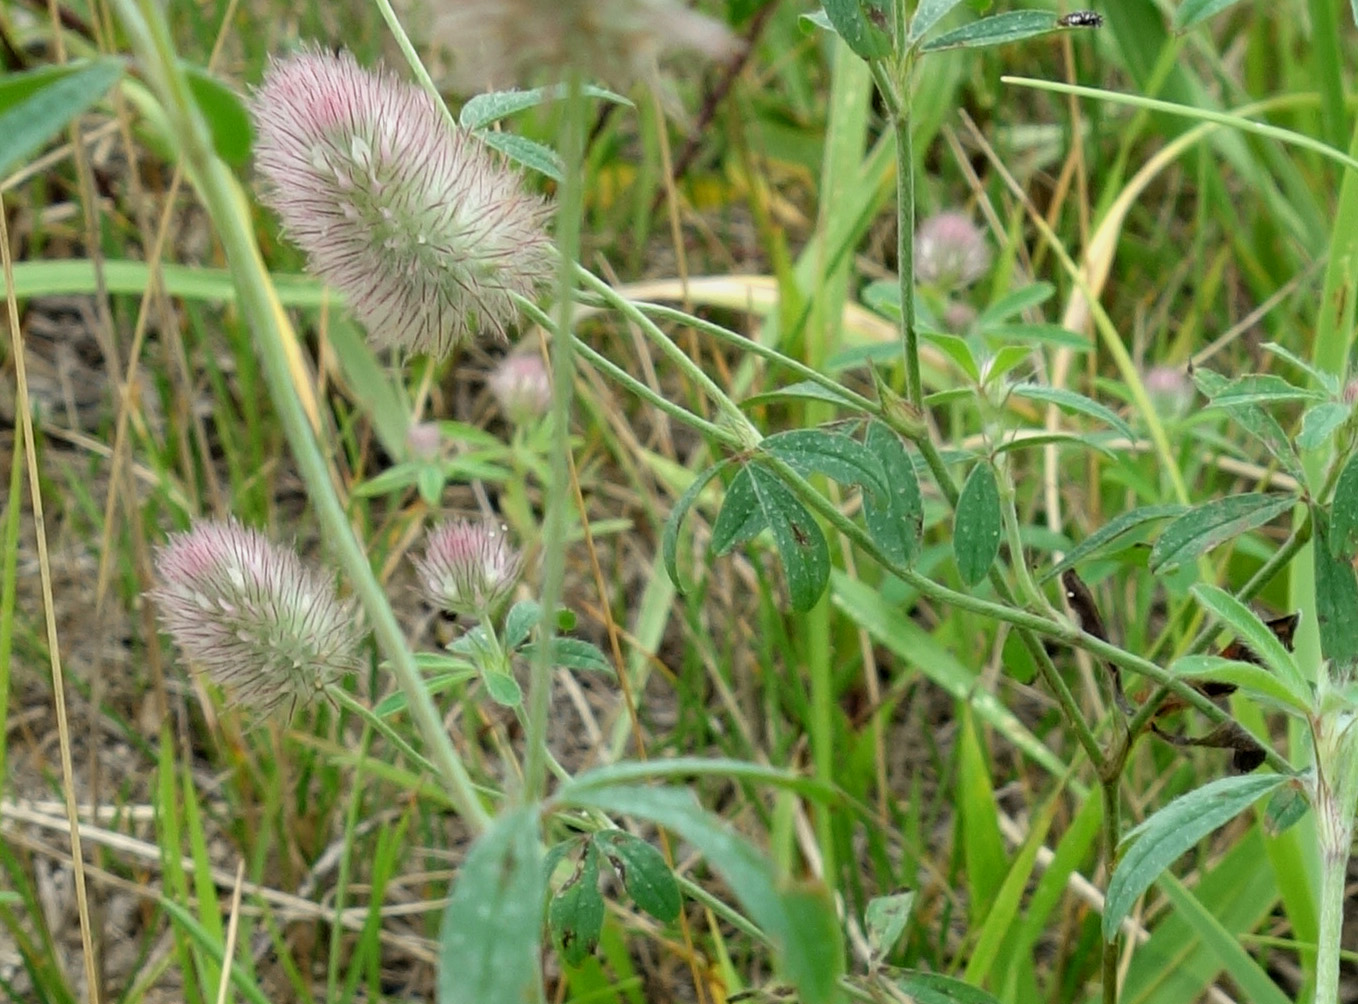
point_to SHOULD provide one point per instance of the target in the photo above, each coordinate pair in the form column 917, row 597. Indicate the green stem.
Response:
column 149, row 35
column 905, row 236
column 413, row 60
column 753, row 347
column 1334, row 833
column 619, row 375
column 569, row 215
column 1110, row 827
column 736, row 420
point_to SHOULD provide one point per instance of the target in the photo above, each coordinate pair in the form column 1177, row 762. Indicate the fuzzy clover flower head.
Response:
column 1169, row 389
column 469, row 568
column 263, row 626
column 497, row 43
column 426, row 234
column 522, row 387
column 950, row 251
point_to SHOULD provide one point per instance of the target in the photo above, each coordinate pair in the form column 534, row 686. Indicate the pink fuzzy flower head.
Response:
column 522, row 387
column 950, row 251
column 497, row 43
column 259, row 623
column 469, row 568
column 1169, row 389
column 423, row 231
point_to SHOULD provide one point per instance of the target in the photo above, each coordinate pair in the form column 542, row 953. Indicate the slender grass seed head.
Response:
column 469, row 568
column 426, row 234
column 264, row 627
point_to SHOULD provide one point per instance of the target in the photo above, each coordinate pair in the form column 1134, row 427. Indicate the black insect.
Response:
column 1081, row 19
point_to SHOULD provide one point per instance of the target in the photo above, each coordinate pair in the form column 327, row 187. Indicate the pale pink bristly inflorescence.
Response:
column 469, row 568
column 263, row 626
column 522, row 386
column 950, row 251
column 496, row 43
column 425, row 233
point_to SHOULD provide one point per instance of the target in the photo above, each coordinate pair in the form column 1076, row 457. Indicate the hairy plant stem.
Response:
column 569, row 213
column 896, row 94
column 146, row 28
column 1110, row 828
column 1334, row 834
column 1333, row 791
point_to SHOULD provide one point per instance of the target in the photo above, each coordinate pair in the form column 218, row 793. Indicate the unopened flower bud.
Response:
column 950, row 251
column 522, row 387
column 428, row 237
column 424, row 440
column 469, row 568
column 261, row 625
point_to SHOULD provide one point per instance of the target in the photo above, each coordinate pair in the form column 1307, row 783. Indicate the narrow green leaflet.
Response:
column 1005, row 360
column 1012, row 304
column 525, row 152
column 1040, row 437
column 502, row 687
column 1255, row 633
column 1048, row 334
column 884, row 921
column 740, row 517
column 669, row 537
column 573, row 653
column 1245, row 675
column 998, row 30
column 520, row 621
column 1336, row 599
column 1069, row 400
column 896, row 521
column 486, row 109
column 934, row 988
column 1193, row 12
column 805, row 390
column 798, row 537
column 224, row 112
column 929, row 13
column 745, row 871
column 862, row 24
column 488, row 943
column 977, row 525
column 645, row 875
column 830, row 453
column 39, row 104
column 955, row 348
column 1327, row 381
column 1254, row 420
column 1262, row 388
column 576, row 913
column 1111, row 533
column 1205, row 526
column 1285, row 809
column 1319, row 423
column 1159, row 841
column 1343, row 535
